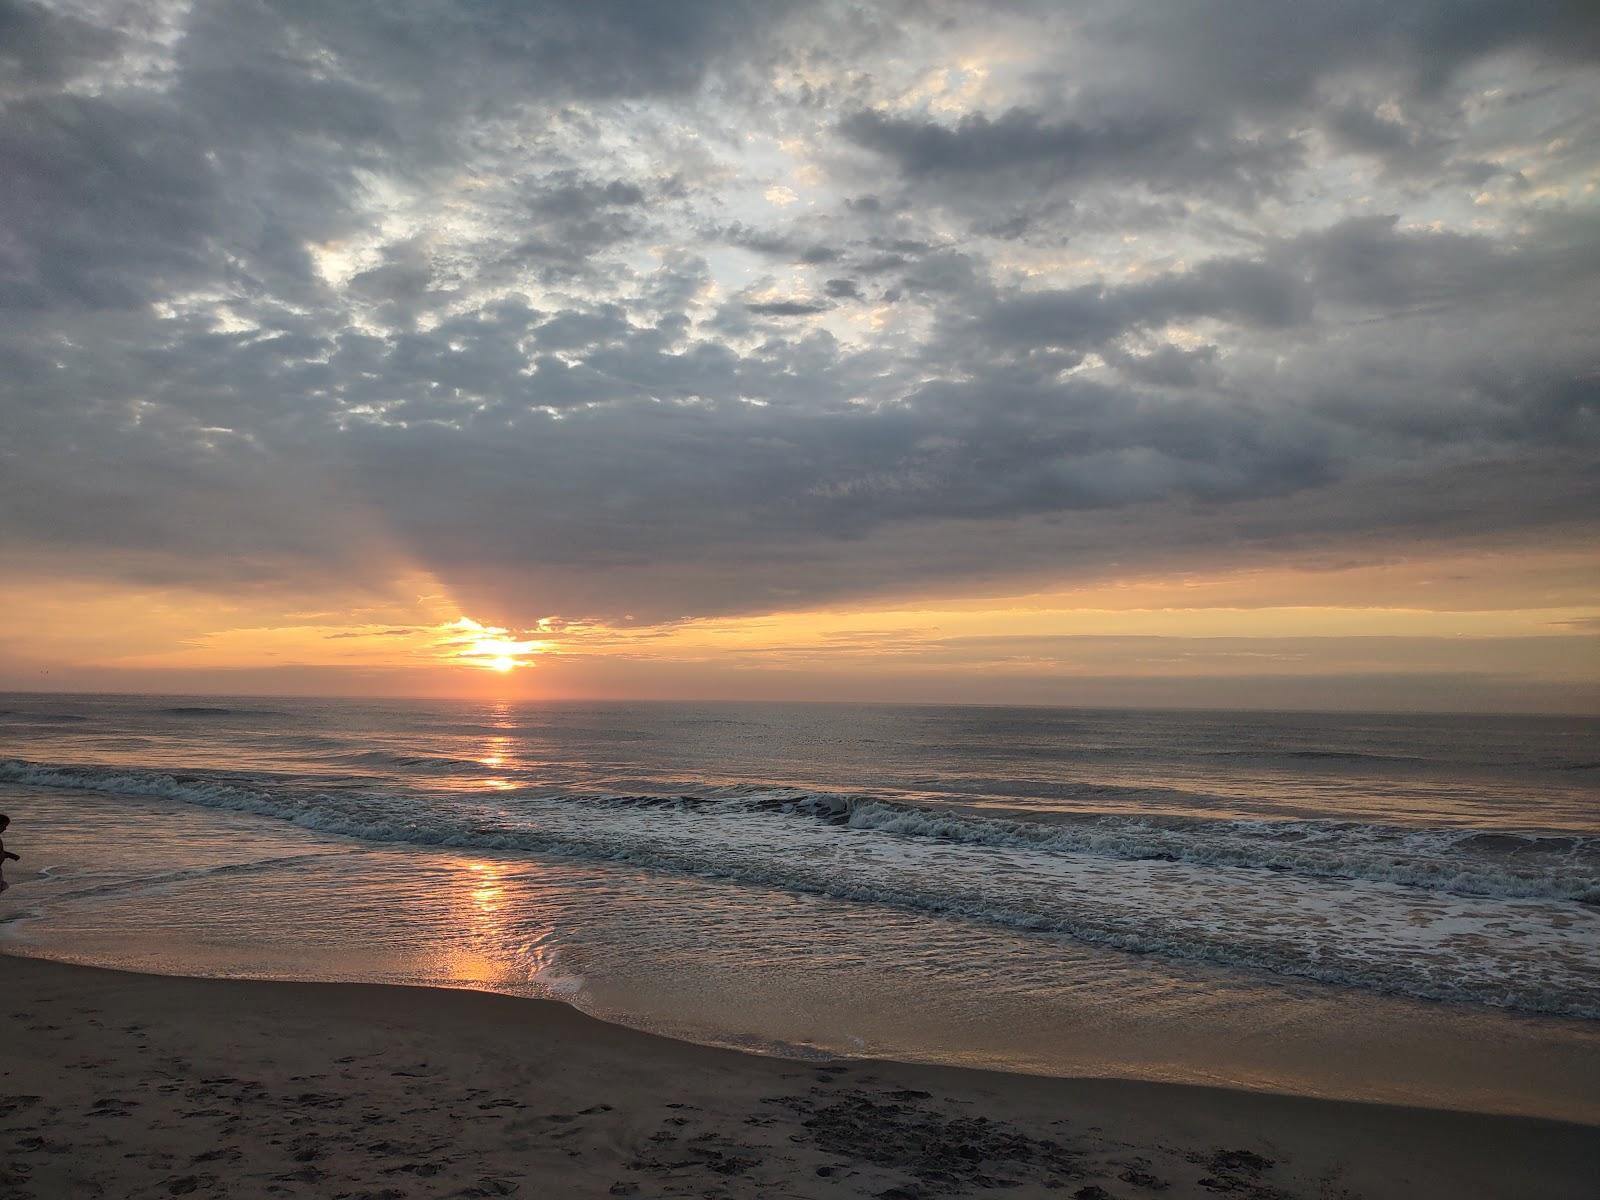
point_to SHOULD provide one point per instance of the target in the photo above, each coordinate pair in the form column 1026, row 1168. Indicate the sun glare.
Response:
column 488, row 646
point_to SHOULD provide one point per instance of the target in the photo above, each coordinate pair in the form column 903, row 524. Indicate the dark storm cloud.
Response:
column 788, row 308
column 39, row 46
column 105, row 206
column 1371, row 262
column 1256, row 52
column 597, row 49
column 306, row 290
column 1165, row 366
column 1162, row 150
column 1403, row 146
column 569, row 195
column 1242, row 291
column 792, row 247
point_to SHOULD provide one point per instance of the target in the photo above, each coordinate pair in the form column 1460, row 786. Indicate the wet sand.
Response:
column 117, row 1084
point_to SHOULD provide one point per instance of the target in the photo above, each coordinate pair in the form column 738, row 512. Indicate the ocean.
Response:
column 1265, row 900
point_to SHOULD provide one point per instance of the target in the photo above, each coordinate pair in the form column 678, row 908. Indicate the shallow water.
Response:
column 1271, row 901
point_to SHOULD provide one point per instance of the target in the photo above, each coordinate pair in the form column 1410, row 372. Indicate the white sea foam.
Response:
column 1250, row 894
column 1538, row 865
column 1517, row 864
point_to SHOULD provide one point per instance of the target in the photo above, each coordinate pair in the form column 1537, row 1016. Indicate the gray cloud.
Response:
column 1256, row 53
column 1243, row 291
column 792, row 247
column 1022, row 146
column 40, row 47
column 310, row 290
column 788, row 308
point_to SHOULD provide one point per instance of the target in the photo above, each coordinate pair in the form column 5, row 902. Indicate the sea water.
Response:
column 1326, row 903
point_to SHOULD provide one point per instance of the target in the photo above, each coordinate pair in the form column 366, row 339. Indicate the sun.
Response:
column 487, row 647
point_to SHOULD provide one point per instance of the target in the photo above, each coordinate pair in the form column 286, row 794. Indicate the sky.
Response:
column 1196, row 352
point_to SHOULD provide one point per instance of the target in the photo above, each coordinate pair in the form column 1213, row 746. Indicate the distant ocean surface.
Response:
column 844, row 877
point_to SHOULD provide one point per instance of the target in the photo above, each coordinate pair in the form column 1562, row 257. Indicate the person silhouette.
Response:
column 5, row 854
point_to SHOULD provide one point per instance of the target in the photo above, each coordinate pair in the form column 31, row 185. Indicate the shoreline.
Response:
column 151, row 1084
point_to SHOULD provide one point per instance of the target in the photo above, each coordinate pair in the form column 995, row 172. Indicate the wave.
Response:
column 145, row 882
column 1468, row 862
column 1432, row 859
column 1341, row 756
column 1093, row 884
column 1074, row 790
column 1500, row 864
column 426, row 764
column 217, row 710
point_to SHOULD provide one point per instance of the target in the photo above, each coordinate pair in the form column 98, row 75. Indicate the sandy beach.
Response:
column 117, row 1084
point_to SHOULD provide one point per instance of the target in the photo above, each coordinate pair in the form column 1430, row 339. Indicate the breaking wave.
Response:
column 1505, row 864
column 1335, row 901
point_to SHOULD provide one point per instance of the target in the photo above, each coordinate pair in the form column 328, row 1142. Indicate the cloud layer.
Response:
column 613, row 310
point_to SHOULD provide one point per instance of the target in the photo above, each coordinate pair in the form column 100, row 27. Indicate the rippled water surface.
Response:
column 1058, row 890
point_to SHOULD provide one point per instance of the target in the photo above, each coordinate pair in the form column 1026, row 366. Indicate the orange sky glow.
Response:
column 1511, row 630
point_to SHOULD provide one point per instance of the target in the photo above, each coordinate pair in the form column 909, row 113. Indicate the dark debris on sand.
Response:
column 1238, row 1172
column 939, row 1151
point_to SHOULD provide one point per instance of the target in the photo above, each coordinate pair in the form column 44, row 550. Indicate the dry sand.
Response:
column 117, row 1084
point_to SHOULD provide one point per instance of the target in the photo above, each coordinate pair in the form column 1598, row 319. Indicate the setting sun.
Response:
column 477, row 645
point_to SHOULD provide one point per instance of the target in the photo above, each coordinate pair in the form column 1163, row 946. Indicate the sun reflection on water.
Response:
column 496, row 753
column 501, row 943
column 487, row 896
